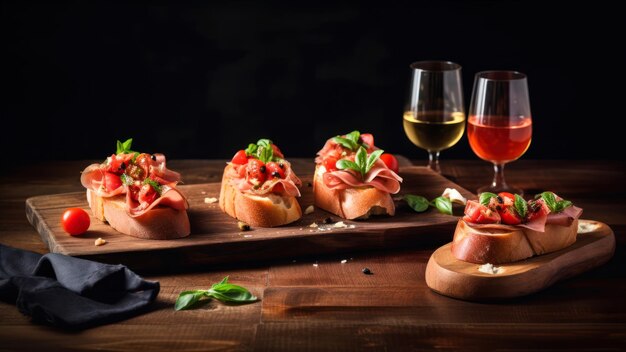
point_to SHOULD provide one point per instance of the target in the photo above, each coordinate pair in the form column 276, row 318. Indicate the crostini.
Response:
column 504, row 228
column 351, row 180
column 137, row 195
column 260, row 188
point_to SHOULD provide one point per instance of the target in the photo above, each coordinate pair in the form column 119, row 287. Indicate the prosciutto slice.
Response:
column 379, row 177
column 563, row 218
column 170, row 197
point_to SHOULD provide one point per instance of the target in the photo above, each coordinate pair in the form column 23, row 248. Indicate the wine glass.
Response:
column 434, row 117
column 499, row 127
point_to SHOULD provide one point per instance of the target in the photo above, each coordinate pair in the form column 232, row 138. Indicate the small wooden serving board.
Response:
column 458, row 279
column 215, row 237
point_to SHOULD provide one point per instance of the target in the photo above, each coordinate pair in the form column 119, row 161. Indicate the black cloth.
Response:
column 71, row 292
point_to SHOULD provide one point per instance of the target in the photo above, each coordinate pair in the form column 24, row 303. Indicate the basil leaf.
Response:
column 550, row 200
column 562, row 204
column 354, row 136
column 231, row 293
column 251, row 150
column 344, row 164
column 186, row 299
column 346, row 143
column 127, row 180
column 371, row 159
column 124, row 148
column 443, row 204
column 120, row 148
column 264, row 143
column 485, row 197
column 155, row 185
column 417, row 203
column 265, row 153
column 361, row 158
column 520, row 206
column 134, row 158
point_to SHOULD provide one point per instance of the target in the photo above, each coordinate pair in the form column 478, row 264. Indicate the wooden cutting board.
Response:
column 215, row 237
column 458, row 279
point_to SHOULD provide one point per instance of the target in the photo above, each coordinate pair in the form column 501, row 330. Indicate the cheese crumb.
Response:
column 490, row 269
column 315, row 265
column 344, row 261
column 313, row 225
column 586, row 227
column 210, row 200
column 340, row 224
column 100, row 241
column 454, row 196
column 309, row 210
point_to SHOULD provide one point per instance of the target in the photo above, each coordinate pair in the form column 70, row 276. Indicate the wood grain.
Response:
column 216, row 238
column 455, row 278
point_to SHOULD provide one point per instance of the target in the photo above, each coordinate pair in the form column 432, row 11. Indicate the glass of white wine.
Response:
column 434, row 116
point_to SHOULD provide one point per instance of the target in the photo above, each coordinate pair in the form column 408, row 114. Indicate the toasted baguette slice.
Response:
column 496, row 246
column 351, row 203
column 261, row 211
column 160, row 223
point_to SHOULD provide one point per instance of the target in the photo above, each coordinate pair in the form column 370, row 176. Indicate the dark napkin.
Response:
column 70, row 292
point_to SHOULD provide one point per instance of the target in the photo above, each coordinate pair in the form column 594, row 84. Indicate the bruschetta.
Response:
column 351, row 180
column 260, row 188
column 136, row 194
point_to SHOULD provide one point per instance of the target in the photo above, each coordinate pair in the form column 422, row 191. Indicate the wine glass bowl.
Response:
column 434, row 116
column 499, row 126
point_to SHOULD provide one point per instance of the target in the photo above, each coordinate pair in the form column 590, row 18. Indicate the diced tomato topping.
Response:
column 536, row 209
column 507, row 195
column 480, row 214
column 255, row 172
column 147, row 194
column 111, row 181
column 330, row 164
column 240, row 158
column 278, row 188
column 277, row 152
column 275, row 170
column 509, row 216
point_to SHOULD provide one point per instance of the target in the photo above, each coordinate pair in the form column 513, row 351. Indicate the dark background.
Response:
column 201, row 80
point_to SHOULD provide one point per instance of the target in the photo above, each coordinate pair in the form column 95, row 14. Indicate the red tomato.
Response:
column 278, row 188
column 330, row 163
column 391, row 161
column 509, row 216
column 536, row 210
column 255, row 172
column 147, row 194
column 277, row 152
column 368, row 139
column 480, row 214
column 274, row 169
column 240, row 158
column 75, row 221
column 507, row 195
column 111, row 181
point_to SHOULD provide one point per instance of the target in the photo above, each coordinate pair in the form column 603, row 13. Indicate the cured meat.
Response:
column 379, row 177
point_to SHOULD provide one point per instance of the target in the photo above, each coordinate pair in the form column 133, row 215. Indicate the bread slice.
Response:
column 159, row 223
column 505, row 244
column 262, row 211
column 351, row 203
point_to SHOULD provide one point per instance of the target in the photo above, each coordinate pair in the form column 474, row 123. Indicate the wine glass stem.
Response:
column 433, row 161
column 498, row 177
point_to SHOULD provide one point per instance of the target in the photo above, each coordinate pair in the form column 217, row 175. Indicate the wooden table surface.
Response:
column 334, row 306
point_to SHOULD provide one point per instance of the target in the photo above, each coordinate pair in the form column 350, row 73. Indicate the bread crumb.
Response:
column 309, row 210
column 203, row 192
column 340, row 224
column 587, row 226
column 100, row 241
column 490, row 269
column 243, row 226
column 210, row 200
column 344, row 261
column 315, row 265
column 313, row 225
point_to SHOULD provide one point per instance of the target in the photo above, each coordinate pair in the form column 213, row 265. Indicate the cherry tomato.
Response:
column 111, row 181
column 274, row 170
column 255, row 172
column 75, row 221
column 240, row 158
column 480, row 214
column 147, row 194
column 536, row 210
column 277, row 152
column 391, row 161
column 330, row 163
column 509, row 216
column 368, row 139
column 507, row 195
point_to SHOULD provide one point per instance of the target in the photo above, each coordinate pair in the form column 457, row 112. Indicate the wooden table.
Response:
column 334, row 306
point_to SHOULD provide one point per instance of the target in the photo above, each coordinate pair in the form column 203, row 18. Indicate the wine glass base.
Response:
column 505, row 188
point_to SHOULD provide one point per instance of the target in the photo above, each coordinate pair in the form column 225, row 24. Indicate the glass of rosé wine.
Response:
column 499, row 126
column 434, row 115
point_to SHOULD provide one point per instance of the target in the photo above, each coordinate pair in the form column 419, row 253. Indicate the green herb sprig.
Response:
column 124, row 148
column 155, row 185
column 362, row 162
column 350, row 141
column 222, row 291
column 555, row 206
column 420, row 204
column 262, row 150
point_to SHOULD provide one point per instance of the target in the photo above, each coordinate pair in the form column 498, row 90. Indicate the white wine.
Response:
column 434, row 130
